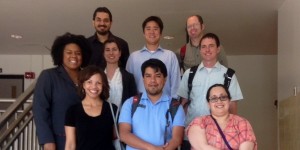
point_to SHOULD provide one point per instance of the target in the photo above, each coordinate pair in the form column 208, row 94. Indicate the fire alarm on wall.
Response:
column 29, row 75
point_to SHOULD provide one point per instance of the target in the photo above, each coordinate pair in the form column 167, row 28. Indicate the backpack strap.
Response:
column 135, row 103
column 228, row 76
column 182, row 55
column 175, row 103
column 173, row 107
column 190, row 79
column 190, row 84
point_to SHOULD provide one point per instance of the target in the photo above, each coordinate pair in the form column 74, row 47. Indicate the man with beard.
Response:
column 151, row 125
column 102, row 21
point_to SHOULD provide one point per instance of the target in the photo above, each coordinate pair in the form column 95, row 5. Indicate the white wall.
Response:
column 288, row 48
column 258, row 80
column 19, row 64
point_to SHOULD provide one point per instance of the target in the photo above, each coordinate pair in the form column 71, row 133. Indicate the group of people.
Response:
column 99, row 93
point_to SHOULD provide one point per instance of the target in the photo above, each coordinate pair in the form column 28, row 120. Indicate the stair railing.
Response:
column 17, row 127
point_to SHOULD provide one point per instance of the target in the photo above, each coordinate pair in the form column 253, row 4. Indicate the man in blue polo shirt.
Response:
column 147, row 128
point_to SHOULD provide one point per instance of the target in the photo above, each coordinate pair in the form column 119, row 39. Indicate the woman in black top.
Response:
column 89, row 125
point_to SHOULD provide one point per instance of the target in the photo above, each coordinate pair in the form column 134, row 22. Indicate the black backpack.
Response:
column 227, row 78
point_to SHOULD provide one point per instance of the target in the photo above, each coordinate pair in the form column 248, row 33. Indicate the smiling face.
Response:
column 219, row 101
column 102, row 23
column 209, row 50
column 154, row 81
column 93, row 86
column 152, row 33
column 194, row 27
column 72, row 57
column 112, row 53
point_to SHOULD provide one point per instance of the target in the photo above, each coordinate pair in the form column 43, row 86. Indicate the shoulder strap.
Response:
column 135, row 103
column 182, row 55
column 182, row 52
column 173, row 107
column 222, row 134
column 190, row 79
column 228, row 76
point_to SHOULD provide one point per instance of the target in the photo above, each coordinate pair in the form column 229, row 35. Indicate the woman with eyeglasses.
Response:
column 220, row 130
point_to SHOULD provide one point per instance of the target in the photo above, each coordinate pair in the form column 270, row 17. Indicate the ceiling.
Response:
column 244, row 27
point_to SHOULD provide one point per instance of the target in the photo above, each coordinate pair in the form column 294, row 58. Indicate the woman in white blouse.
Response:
column 122, row 84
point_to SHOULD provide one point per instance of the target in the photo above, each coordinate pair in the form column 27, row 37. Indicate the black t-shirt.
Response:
column 92, row 133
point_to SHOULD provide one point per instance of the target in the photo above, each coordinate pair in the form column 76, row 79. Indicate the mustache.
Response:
column 102, row 26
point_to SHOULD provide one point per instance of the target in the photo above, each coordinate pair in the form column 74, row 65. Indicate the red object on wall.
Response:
column 29, row 75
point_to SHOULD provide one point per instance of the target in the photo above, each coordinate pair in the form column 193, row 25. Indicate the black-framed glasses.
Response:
column 221, row 98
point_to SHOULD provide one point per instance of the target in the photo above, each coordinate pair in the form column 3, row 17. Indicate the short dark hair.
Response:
column 104, row 10
column 217, row 85
column 57, row 49
column 156, row 64
column 86, row 73
column 211, row 36
column 155, row 19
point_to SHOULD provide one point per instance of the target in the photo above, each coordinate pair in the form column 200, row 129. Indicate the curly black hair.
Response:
column 60, row 42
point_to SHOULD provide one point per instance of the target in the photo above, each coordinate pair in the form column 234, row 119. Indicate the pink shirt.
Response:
column 237, row 131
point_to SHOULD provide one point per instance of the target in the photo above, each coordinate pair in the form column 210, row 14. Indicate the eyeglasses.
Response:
column 193, row 25
column 221, row 98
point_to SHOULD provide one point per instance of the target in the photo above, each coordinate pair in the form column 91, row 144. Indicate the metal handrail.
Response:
column 17, row 125
column 11, row 110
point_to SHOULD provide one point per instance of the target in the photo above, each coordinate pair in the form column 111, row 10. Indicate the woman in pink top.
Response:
column 203, row 132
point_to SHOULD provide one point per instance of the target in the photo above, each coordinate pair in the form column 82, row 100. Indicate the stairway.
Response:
column 17, row 128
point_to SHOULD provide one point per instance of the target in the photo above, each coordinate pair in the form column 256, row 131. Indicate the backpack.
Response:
column 227, row 78
column 182, row 55
column 173, row 107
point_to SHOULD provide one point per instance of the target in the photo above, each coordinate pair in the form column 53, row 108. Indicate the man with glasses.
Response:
column 102, row 21
column 189, row 55
column 209, row 72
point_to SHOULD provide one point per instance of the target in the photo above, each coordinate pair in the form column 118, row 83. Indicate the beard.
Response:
column 103, row 32
column 154, row 92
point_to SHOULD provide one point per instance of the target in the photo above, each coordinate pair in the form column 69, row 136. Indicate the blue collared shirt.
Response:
column 149, row 121
column 137, row 58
